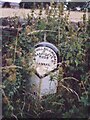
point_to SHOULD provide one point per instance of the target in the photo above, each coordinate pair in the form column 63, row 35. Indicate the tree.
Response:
column 6, row 5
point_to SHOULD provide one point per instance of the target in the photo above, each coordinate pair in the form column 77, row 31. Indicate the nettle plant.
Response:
column 72, row 40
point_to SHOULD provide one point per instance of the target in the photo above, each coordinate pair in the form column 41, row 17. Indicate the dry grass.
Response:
column 8, row 12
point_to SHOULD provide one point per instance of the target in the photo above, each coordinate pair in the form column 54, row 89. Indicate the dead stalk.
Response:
column 15, row 48
column 84, row 88
column 11, row 66
column 69, row 78
column 69, row 89
column 37, row 31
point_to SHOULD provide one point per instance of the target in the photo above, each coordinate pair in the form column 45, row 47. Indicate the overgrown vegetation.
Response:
column 73, row 41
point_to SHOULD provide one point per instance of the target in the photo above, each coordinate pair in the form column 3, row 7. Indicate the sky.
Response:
column 17, row 1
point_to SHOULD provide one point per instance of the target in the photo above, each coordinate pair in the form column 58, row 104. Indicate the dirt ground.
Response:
column 5, row 12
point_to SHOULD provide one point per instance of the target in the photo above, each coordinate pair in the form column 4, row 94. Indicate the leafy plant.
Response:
column 73, row 91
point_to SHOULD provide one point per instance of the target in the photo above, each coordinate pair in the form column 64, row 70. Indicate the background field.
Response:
column 6, row 12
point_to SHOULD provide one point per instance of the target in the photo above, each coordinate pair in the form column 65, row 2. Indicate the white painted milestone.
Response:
column 45, row 60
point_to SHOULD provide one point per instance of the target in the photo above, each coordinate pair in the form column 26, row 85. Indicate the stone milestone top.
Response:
column 46, row 58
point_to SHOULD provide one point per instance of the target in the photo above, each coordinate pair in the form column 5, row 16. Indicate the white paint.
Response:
column 47, row 86
column 42, row 87
column 45, row 60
